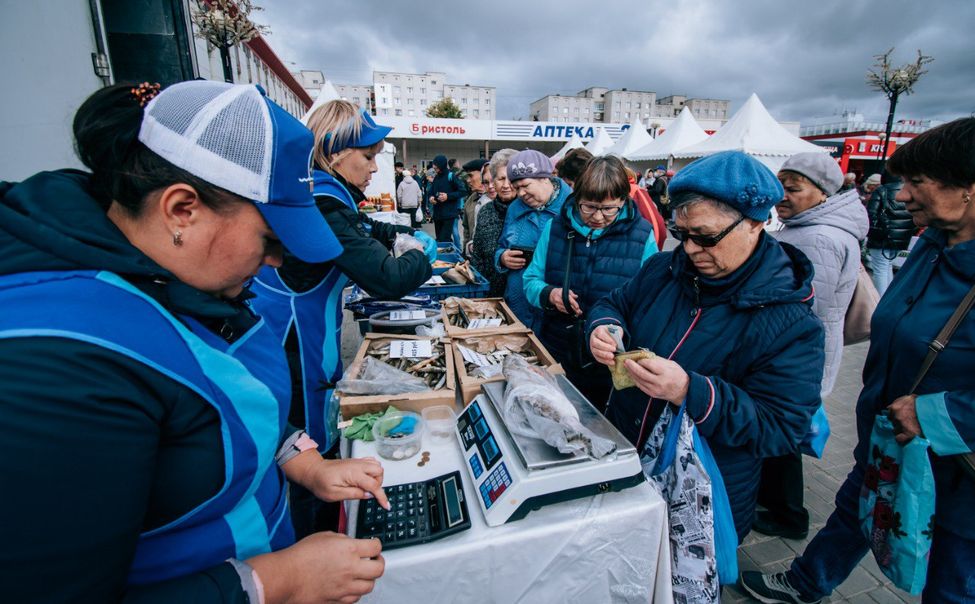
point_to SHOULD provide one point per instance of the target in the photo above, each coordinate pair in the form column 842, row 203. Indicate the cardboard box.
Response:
column 354, row 405
column 511, row 321
column 470, row 386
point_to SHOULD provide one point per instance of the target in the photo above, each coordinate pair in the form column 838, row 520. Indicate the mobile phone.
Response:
column 526, row 252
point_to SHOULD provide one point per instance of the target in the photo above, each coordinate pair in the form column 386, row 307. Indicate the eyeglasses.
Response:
column 703, row 240
column 588, row 209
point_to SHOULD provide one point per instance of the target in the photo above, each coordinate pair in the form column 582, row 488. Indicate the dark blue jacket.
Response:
column 445, row 182
column 913, row 310
column 749, row 342
column 602, row 260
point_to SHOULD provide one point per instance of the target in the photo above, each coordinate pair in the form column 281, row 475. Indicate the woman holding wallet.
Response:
column 598, row 241
column 938, row 168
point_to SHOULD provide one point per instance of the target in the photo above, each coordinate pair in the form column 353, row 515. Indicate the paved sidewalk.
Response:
column 823, row 477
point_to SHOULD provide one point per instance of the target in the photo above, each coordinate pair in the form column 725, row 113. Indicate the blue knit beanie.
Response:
column 530, row 164
column 734, row 178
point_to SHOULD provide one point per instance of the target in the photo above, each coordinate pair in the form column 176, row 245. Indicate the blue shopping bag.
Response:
column 897, row 506
column 814, row 442
column 680, row 465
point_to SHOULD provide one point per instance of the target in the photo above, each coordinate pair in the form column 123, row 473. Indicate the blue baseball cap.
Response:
column 234, row 137
column 370, row 133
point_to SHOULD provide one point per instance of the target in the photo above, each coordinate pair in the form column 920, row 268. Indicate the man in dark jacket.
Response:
column 729, row 316
column 891, row 229
column 444, row 194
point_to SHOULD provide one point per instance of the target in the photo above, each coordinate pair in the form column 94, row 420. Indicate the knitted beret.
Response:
column 530, row 164
column 734, row 178
column 821, row 170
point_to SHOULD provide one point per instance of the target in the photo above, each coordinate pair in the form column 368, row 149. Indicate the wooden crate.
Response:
column 511, row 321
column 470, row 386
column 357, row 404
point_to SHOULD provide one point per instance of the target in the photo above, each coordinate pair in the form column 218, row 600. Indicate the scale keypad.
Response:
column 494, row 485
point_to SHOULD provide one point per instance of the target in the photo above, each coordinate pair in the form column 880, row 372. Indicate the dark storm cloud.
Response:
column 804, row 59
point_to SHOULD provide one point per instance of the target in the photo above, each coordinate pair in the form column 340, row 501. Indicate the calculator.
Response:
column 419, row 512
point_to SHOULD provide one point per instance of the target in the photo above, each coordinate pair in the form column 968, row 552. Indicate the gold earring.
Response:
column 178, row 238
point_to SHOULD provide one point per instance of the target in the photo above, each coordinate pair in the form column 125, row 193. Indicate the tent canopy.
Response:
column 632, row 140
column 574, row 143
column 753, row 131
column 599, row 144
column 326, row 94
column 682, row 133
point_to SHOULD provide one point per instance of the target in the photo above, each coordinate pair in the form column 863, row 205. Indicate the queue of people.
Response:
column 173, row 321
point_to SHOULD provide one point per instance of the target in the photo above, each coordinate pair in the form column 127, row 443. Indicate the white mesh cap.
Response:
column 216, row 131
column 234, row 137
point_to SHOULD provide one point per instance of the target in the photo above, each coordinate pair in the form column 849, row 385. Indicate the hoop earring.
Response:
column 178, row 238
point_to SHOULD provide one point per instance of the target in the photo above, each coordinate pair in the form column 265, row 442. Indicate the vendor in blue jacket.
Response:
column 729, row 316
column 541, row 195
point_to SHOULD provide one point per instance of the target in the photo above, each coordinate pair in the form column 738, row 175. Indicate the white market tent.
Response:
column 682, row 133
column 635, row 138
column 753, row 131
column 574, row 143
column 599, row 144
column 384, row 180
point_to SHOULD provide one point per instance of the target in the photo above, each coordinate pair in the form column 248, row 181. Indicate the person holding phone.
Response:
column 540, row 198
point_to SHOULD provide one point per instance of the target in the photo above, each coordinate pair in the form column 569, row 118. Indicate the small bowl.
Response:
column 441, row 423
column 395, row 443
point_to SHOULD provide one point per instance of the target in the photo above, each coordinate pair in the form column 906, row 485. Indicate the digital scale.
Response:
column 514, row 474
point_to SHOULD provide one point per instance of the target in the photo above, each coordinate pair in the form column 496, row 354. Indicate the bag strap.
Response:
column 570, row 237
column 940, row 342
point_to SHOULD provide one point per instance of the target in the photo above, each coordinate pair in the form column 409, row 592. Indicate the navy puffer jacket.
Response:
column 749, row 342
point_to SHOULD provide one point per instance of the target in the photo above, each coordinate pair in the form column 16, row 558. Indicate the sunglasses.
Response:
column 683, row 235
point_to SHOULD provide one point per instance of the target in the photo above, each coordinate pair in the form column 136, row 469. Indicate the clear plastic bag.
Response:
column 535, row 406
column 380, row 378
column 435, row 330
column 404, row 243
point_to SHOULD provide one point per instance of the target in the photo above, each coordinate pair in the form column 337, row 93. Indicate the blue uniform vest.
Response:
column 317, row 317
column 246, row 383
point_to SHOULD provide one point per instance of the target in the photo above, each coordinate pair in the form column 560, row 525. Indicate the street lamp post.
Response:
column 882, row 151
column 894, row 82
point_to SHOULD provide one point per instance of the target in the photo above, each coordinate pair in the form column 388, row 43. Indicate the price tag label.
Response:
column 472, row 356
column 411, row 349
column 406, row 315
column 482, row 323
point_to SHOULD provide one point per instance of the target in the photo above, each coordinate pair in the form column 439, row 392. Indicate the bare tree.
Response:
column 225, row 24
column 894, row 82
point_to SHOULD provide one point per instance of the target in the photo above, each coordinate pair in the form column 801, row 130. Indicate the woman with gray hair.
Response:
column 729, row 316
column 490, row 220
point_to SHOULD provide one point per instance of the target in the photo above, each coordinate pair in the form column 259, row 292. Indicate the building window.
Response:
column 433, row 82
column 396, row 89
column 411, row 113
column 384, row 101
column 423, row 91
column 409, row 90
column 565, row 110
column 355, row 100
column 626, row 115
column 399, row 112
column 409, row 101
column 396, row 101
column 487, row 101
column 629, row 105
column 585, row 112
column 477, row 113
column 600, row 106
column 385, row 111
column 423, row 102
column 638, row 105
column 463, row 101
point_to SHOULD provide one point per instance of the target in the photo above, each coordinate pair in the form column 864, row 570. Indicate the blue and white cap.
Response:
column 370, row 133
column 234, row 137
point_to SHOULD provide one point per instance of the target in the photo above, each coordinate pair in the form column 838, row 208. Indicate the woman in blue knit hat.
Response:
column 729, row 316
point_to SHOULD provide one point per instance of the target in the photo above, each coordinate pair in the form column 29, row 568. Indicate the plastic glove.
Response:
column 429, row 245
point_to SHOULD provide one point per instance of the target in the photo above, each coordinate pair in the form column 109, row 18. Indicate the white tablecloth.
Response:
column 391, row 217
column 607, row 548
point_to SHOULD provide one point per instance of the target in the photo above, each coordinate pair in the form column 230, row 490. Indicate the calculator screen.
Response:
column 454, row 514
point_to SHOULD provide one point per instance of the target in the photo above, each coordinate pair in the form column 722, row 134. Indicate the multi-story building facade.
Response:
column 702, row 109
column 411, row 94
column 621, row 106
column 358, row 94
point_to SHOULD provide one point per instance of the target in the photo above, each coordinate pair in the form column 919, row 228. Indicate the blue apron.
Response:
column 317, row 318
column 246, row 383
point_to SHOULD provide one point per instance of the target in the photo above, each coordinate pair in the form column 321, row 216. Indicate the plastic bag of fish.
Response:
column 535, row 406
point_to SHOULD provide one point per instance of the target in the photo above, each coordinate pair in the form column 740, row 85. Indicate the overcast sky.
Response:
column 805, row 59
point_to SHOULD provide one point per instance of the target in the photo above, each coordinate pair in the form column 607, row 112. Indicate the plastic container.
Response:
column 478, row 289
column 381, row 323
column 394, row 442
column 441, row 423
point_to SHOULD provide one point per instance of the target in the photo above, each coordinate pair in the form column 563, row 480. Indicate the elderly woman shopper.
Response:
column 827, row 226
column 938, row 168
column 302, row 302
column 144, row 443
column 597, row 243
column 729, row 316
column 490, row 222
column 540, row 198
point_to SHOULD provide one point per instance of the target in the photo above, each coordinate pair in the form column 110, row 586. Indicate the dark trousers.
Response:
column 780, row 491
column 444, row 229
column 412, row 214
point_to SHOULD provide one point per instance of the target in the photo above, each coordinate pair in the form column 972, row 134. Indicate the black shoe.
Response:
column 766, row 524
column 772, row 589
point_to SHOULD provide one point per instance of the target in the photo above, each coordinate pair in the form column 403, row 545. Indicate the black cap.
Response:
column 474, row 165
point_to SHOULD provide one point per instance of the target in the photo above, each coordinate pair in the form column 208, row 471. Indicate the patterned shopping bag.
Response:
column 703, row 542
column 897, row 506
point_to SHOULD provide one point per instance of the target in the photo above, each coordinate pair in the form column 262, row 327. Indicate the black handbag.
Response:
column 577, row 350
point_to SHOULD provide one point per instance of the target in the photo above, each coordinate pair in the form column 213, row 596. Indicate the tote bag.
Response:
column 703, row 541
column 856, row 325
column 897, row 506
